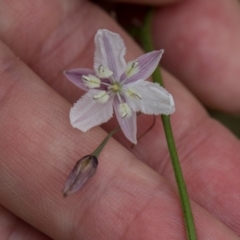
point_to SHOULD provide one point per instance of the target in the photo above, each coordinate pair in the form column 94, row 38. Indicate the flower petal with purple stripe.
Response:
column 87, row 112
column 127, row 124
column 147, row 63
column 110, row 51
column 75, row 76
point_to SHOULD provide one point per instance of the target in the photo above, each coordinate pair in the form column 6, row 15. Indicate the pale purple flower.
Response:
column 116, row 84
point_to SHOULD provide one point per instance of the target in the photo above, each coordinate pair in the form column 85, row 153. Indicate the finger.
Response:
column 11, row 227
column 38, row 148
column 196, row 149
column 41, row 41
column 201, row 41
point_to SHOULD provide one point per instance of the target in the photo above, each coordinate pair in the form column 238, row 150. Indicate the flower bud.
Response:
column 84, row 169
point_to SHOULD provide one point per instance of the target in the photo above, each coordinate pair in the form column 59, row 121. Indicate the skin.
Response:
column 133, row 194
column 213, row 37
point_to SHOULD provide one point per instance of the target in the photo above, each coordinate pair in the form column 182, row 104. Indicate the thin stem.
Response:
column 186, row 207
column 104, row 142
column 143, row 134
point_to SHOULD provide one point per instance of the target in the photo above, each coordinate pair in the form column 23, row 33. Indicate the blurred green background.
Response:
column 231, row 122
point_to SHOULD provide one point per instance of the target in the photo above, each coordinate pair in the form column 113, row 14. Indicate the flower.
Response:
column 116, row 84
column 84, row 169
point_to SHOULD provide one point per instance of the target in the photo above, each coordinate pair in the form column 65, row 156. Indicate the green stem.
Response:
column 104, row 142
column 187, row 212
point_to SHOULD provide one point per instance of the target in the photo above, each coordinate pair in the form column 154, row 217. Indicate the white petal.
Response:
column 154, row 98
column 127, row 124
column 143, row 66
column 109, row 53
column 87, row 112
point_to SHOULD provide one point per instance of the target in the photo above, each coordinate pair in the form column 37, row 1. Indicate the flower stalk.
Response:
column 184, row 198
column 104, row 142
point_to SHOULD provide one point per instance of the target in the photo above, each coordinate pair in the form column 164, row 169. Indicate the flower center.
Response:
column 116, row 87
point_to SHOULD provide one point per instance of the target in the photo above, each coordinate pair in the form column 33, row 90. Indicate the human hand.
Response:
column 126, row 199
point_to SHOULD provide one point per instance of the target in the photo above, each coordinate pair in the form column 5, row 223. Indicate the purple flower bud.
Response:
column 84, row 169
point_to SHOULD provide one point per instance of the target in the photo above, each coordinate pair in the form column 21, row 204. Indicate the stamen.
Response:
column 133, row 93
column 124, row 110
column 91, row 81
column 135, row 64
column 132, row 68
column 112, row 80
column 101, row 96
column 104, row 72
column 119, row 98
